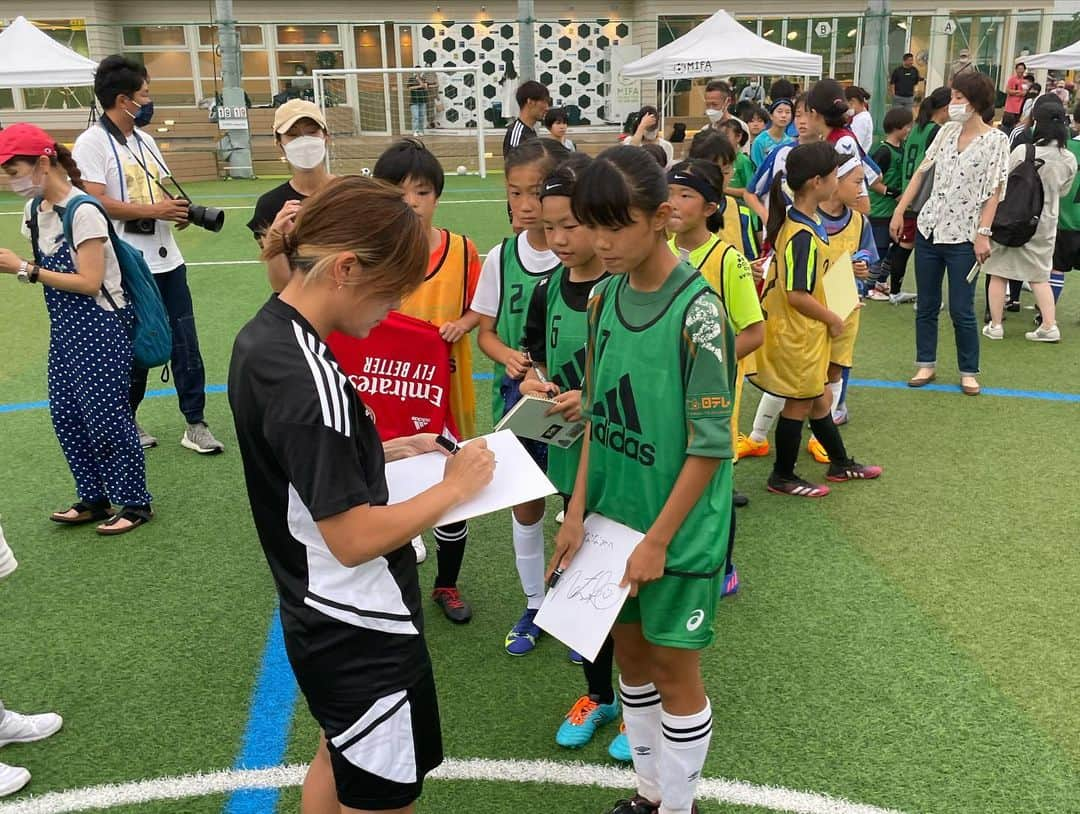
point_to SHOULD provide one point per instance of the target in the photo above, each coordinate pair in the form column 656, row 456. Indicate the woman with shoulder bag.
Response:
column 970, row 161
column 90, row 351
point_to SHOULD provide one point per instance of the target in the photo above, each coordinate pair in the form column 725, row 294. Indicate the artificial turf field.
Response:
column 908, row 644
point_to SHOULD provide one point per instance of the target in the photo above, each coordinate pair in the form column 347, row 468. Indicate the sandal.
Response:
column 135, row 515
column 85, row 513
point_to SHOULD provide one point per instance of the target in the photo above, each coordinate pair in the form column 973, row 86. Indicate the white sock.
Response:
column 836, row 388
column 529, row 549
column 641, row 714
column 768, row 410
column 682, row 757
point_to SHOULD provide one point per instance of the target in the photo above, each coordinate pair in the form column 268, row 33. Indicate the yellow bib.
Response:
column 848, row 239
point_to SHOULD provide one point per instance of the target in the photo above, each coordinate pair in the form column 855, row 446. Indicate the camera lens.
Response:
column 206, row 217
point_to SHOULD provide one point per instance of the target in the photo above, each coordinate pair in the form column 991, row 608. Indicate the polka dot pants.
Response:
column 90, row 361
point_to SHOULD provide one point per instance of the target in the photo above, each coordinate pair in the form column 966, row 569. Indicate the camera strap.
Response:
column 115, row 136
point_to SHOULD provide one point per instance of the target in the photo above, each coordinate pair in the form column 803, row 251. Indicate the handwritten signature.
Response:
column 601, row 590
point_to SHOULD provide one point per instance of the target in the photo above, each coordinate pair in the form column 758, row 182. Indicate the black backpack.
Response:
column 1018, row 215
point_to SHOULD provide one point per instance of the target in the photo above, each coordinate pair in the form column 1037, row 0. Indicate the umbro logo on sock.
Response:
column 617, row 425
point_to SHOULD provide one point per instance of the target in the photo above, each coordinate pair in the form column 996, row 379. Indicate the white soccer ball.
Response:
column 365, row 172
column 462, row 170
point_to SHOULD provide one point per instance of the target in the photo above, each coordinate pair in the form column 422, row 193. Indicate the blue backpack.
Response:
column 152, row 340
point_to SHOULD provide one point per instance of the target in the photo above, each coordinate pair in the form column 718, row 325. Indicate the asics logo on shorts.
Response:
column 695, row 620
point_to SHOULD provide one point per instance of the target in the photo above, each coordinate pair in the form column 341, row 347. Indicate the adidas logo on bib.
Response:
column 617, row 425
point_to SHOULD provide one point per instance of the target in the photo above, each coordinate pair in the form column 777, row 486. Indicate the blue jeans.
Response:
column 419, row 116
column 933, row 262
column 187, row 364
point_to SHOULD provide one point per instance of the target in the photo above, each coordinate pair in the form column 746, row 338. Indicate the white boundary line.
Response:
column 509, row 771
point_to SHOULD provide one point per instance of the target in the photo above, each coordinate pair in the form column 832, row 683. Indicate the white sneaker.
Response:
column 146, row 440
column 7, row 559
column 1040, row 334
column 12, row 778
column 992, row 331
column 199, row 438
column 419, row 548
column 17, row 728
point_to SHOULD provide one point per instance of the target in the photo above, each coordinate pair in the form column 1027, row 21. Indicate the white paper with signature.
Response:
column 582, row 607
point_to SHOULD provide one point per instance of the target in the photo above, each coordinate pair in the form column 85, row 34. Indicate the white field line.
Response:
column 248, row 208
column 511, row 771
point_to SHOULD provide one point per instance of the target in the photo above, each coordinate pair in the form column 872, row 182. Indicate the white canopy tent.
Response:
column 721, row 46
column 30, row 58
column 1064, row 59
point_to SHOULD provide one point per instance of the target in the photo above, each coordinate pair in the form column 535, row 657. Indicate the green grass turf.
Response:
column 909, row 643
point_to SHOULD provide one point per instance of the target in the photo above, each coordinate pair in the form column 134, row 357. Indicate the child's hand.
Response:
column 569, row 404
column 645, row 565
column 759, row 266
column 517, row 364
column 861, row 269
column 836, row 325
column 453, row 331
column 567, row 543
column 531, row 386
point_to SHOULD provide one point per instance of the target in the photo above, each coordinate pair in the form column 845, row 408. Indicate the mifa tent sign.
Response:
column 692, row 66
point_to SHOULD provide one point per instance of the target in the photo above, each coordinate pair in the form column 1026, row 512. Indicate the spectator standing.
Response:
column 1034, row 91
column 533, row 101
column 718, row 97
column 753, row 92
column 1015, row 91
column 1032, row 262
column 431, row 82
column 648, row 132
column 557, row 123
column 962, row 64
column 418, row 98
column 862, row 123
column 781, row 113
column 122, row 167
column 903, row 82
column 970, row 161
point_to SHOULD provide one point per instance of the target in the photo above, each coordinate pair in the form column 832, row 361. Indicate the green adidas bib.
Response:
column 915, row 147
column 567, row 333
column 516, row 285
column 638, row 432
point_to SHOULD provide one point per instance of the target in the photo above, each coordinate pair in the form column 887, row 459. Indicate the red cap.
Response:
column 25, row 139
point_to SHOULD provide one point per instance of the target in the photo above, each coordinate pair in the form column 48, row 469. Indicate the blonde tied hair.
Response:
column 366, row 218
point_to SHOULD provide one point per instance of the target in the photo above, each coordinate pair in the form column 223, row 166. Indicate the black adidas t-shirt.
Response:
column 310, row 452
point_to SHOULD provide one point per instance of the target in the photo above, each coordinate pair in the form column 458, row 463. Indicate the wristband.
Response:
column 35, row 270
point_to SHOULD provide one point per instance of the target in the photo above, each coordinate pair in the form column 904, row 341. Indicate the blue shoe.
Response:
column 576, row 657
column 731, row 584
column 523, row 638
column 620, row 747
column 582, row 721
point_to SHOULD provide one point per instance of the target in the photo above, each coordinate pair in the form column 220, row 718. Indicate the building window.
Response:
column 847, row 41
column 254, row 67
column 1027, row 37
column 163, row 49
column 1065, row 31
column 303, row 49
column 154, row 36
column 822, row 30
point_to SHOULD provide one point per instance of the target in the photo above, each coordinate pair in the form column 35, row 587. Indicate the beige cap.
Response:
column 293, row 111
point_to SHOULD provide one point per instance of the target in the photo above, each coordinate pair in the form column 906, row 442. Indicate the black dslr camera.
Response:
column 205, row 217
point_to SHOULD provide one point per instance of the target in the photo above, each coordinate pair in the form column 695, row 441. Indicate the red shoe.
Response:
column 796, row 487
column 852, row 470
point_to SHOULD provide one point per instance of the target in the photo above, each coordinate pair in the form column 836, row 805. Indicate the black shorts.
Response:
column 382, row 749
column 1067, row 250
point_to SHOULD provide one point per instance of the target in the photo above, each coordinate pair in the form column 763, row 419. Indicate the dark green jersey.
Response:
column 516, row 284
column 915, row 147
column 891, row 161
column 1069, row 212
column 660, row 374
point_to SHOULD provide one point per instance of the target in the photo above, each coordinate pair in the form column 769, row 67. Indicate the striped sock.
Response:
column 682, row 757
column 641, row 714
column 1057, row 283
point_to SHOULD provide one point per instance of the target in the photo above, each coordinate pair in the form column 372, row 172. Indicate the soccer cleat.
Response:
column 814, row 447
column 575, row 657
column 731, row 583
column 146, row 440
column 992, row 331
column 796, row 487
column 8, row 563
column 522, row 639
column 747, row 447
column 1041, row 334
column 877, row 295
column 584, row 718
column 840, row 417
column 635, row 805
column 852, row 470
column 1013, row 306
column 12, row 779
column 453, row 606
column 620, row 746
column 17, row 728
column 419, row 548
column 198, row 437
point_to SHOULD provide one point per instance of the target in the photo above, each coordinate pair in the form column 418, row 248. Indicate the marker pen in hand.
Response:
column 555, row 575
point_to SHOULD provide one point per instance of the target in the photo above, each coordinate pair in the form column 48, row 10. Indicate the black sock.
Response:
column 788, row 437
column 729, row 566
column 451, row 550
column 598, row 673
column 898, row 260
column 1015, row 287
column 826, row 431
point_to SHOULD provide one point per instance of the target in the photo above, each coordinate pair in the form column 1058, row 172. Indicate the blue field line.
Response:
column 877, row 384
column 269, row 723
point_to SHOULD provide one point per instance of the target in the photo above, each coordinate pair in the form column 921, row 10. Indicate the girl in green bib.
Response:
column 511, row 272
column 657, row 457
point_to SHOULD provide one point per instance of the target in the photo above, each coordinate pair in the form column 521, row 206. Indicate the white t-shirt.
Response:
column 486, row 299
column 862, row 125
column 89, row 224
column 103, row 161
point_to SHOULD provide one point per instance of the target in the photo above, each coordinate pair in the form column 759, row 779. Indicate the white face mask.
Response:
column 24, row 186
column 959, row 113
column 306, row 152
column 714, row 115
column 650, row 135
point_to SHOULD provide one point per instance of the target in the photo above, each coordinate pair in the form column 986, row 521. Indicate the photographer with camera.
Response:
column 122, row 167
